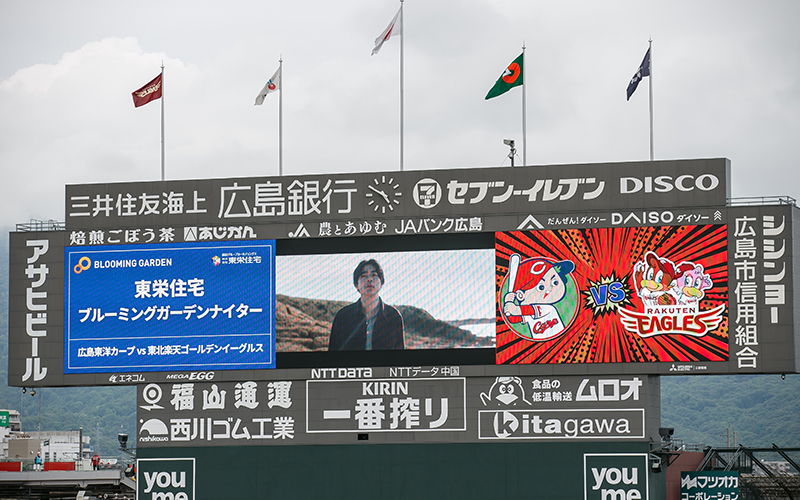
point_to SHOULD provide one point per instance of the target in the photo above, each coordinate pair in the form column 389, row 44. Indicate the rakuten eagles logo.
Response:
column 671, row 295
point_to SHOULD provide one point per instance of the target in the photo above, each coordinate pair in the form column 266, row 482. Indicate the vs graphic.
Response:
column 604, row 293
column 540, row 297
column 607, row 295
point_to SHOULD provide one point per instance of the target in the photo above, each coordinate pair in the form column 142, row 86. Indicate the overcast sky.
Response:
column 725, row 75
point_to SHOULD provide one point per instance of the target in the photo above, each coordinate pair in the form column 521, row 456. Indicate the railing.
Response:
column 41, row 225
column 28, row 465
column 680, row 445
column 762, row 200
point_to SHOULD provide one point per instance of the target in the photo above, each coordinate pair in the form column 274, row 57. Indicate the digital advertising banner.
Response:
column 613, row 295
column 639, row 293
column 167, row 307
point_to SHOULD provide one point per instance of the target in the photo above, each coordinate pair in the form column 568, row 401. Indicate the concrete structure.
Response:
column 66, row 484
column 59, row 446
column 23, row 449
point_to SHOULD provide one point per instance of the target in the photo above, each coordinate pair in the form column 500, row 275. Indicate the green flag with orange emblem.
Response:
column 511, row 77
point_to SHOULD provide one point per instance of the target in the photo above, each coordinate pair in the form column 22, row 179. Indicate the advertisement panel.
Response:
column 337, row 406
column 709, row 484
column 764, row 257
column 36, row 308
column 616, row 475
column 359, row 471
column 621, row 295
column 398, row 202
column 206, row 306
column 164, row 478
column 612, row 234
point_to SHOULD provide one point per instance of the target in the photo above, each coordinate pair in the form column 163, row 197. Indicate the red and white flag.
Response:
column 149, row 92
column 274, row 84
column 393, row 29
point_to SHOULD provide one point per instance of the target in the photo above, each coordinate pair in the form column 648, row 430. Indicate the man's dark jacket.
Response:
column 349, row 330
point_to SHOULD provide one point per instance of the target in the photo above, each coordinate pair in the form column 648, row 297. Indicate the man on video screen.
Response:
column 367, row 324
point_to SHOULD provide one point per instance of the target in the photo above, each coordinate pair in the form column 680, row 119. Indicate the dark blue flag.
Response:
column 643, row 71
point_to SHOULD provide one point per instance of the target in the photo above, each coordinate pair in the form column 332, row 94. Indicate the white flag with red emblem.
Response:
column 272, row 85
column 393, row 29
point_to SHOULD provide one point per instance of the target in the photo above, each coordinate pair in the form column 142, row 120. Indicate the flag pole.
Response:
column 280, row 121
column 402, row 36
column 650, row 85
column 524, row 113
column 162, row 121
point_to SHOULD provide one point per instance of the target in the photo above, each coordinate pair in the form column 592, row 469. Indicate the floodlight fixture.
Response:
column 513, row 151
column 655, row 463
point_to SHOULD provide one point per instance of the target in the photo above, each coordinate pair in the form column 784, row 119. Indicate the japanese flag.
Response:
column 392, row 30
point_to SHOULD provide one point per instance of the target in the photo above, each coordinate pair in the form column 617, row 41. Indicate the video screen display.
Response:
column 606, row 295
column 177, row 306
column 385, row 301
column 612, row 295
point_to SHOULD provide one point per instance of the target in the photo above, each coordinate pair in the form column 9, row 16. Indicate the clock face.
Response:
column 383, row 194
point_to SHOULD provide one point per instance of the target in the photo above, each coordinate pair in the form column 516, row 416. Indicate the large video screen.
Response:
column 175, row 306
column 385, row 301
column 612, row 295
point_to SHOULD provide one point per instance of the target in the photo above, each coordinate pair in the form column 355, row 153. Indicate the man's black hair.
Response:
column 360, row 268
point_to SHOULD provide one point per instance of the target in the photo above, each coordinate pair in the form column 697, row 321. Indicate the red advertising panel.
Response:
column 612, row 295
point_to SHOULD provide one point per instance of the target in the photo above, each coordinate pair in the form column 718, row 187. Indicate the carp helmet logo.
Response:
column 539, row 297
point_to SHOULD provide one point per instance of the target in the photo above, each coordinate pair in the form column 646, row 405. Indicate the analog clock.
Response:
column 383, row 194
